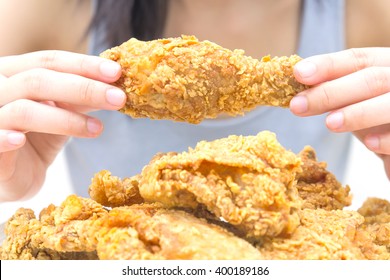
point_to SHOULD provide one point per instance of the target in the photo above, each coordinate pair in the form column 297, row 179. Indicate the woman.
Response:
column 65, row 86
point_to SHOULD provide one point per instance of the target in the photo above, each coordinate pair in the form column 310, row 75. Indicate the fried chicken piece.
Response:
column 137, row 232
column 376, row 226
column 246, row 181
column 169, row 234
column 111, row 191
column 335, row 234
column 318, row 187
column 25, row 236
column 56, row 234
column 322, row 235
column 374, row 240
column 183, row 79
column 375, row 210
column 18, row 231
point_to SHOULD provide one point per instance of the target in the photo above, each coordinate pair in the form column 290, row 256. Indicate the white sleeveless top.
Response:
column 127, row 144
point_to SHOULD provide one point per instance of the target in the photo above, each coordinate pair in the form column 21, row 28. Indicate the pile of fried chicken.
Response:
column 241, row 197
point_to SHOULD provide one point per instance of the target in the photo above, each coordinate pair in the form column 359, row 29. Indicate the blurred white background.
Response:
column 365, row 176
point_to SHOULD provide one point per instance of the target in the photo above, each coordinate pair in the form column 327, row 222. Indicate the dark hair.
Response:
column 120, row 20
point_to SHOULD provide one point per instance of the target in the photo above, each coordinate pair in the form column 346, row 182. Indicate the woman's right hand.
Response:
column 44, row 98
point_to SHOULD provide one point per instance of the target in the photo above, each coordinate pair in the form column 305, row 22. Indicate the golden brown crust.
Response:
column 375, row 210
column 322, row 234
column 145, row 231
column 170, row 234
column 111, row 191
column 57, row 234
column 318, row 187
column 246, row 181
column 183, row 79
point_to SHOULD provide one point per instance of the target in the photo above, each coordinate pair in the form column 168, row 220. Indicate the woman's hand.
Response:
column 354, row 86
column 43, row 99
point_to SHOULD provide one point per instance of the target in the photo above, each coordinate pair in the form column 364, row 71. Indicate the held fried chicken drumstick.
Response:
column 183, row 79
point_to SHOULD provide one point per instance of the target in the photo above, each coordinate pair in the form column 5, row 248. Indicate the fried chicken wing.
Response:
column 183, row 79
column 246, row 181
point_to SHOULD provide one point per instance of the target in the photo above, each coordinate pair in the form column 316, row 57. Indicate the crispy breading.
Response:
column 375, row 210
column 374, row 240
column 183, row 79
column 376, row 227
column 132, row 232
column 111, row 191
column 318, row 187
column 322, row 234
column 49, row 236
column 246, row 181
column 170, row 234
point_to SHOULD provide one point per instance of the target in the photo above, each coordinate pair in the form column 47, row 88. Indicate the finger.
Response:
column 365, row 114
column 92, row 67
column 42, row 84
column 361, row 134
column 376, row 139
column 11, row 140
column 320, row 68
column 26, row 115
column 350, row 89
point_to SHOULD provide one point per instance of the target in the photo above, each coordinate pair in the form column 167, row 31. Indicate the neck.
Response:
column 259, row 27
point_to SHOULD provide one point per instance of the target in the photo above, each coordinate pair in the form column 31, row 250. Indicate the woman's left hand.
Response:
column 354, row 86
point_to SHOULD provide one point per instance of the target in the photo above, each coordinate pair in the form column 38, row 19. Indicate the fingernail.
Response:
column 109, row 69
column 94, row 126
column 305, row 68
column 15, row 139
column 298, row 104
column 372, row 142
column 115, row 96
column 335, row 120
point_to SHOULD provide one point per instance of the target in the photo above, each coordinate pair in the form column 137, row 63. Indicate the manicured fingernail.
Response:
column 335, row 120
column 305, row 68
column 110, row 69
column 94, row 126
column 15, row 139
column 372, row 142
column 115, row 97
column 298, row 104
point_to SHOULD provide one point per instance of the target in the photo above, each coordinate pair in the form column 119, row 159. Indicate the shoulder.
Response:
column 27, row 26
column 367, row 23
